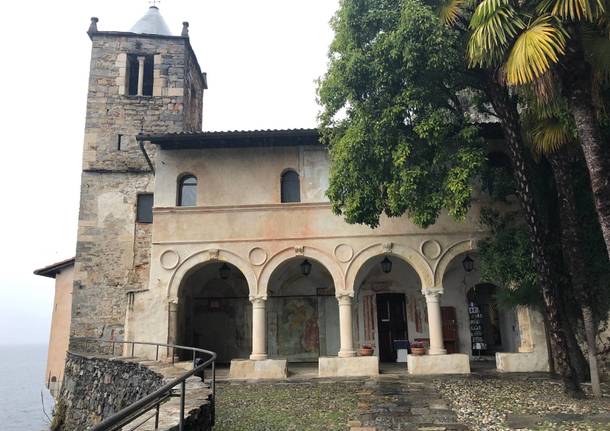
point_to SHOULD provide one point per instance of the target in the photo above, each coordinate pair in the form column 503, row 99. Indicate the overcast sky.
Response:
column 262, row 58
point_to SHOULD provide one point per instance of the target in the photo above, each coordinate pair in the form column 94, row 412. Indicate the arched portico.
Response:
column 213, row 311
column 193, row 261
column 407, row 254
column 390, row 308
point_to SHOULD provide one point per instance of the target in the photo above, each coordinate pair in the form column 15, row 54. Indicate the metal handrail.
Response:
column 156, row 398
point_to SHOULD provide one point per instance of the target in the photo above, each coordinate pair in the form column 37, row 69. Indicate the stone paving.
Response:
column 394, row 401
column 397, row 404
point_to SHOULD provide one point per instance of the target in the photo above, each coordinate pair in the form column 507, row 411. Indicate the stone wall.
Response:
column 95, row 388
column 113, row 251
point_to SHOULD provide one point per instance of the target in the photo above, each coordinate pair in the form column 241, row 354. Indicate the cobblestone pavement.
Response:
column 503, row 402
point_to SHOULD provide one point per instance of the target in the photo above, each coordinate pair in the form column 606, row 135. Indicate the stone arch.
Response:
column 407, row 254
column 449, row 254
column 201, row 257
column 307, row 252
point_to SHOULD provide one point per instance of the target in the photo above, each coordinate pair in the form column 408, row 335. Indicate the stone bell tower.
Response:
column 145, row 80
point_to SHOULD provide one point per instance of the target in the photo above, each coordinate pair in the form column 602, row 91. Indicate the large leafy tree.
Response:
column 400, row 140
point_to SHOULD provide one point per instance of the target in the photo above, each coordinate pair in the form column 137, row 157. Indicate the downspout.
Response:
column 140, row 139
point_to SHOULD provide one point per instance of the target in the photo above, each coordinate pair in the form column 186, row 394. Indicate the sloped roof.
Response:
column 55, row 268
column 235, row 138
column 152, row 23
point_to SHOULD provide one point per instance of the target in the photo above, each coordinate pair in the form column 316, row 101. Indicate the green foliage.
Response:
column 400, row 141
column 506, row 260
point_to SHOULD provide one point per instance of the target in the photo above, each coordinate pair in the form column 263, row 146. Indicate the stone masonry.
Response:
column 113, row 251
column 95, row 388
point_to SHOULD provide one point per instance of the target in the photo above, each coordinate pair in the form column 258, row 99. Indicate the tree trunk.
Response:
column 577, row 86
column 506, row 109
column 573, row 253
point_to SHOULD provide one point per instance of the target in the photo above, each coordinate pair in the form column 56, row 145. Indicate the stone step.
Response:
column 197, row 396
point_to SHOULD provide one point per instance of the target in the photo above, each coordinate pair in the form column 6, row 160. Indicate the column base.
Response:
column 437, row 351
column 457, row 363
column 358, row 366
column 347, row 353
column 258, row 356
column 525, row 362
column 245, row 369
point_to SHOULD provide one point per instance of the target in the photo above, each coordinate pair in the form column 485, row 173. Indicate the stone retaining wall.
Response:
column 95, row 388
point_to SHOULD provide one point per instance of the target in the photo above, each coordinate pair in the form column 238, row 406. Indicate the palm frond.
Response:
column 494, row 23
column 575, row 10
column 451, row 11
column 549, row 135
column 534, row 51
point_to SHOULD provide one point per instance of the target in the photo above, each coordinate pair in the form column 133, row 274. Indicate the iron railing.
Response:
column 154, row 400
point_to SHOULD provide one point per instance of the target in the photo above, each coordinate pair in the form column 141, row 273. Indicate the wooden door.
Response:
column 450, row 330
column 391, row 323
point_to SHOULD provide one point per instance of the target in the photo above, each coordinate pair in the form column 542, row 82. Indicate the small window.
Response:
column 133, row 75
column 145, row 208
column 187, row 191
column 291, row 188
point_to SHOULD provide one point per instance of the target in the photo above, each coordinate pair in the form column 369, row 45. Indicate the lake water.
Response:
column 22, row 379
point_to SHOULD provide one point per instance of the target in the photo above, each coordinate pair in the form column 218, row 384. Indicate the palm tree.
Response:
column 551, row 136
column 523, row 41
column 505, row 106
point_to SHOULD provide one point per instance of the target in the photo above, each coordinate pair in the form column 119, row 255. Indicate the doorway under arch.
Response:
column 214, row 311
column 492, row 327
column 390, row 308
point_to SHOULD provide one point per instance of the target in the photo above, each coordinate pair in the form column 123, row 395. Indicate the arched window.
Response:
column 187, row 191
column 291, row 189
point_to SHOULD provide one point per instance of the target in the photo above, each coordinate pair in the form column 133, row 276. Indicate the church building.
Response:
column 226, row 240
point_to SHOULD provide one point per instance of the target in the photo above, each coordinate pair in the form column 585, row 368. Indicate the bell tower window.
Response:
column 140, row 75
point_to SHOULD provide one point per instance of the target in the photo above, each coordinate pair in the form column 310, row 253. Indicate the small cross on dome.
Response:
column 154, row 3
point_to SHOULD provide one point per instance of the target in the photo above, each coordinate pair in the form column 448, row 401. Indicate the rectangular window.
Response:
column 145, row 207
column 133, row 74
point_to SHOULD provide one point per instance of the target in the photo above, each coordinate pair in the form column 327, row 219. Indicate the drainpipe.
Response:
column 140, row 139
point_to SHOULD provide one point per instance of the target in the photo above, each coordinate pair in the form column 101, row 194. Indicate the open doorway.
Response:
column 392, row 323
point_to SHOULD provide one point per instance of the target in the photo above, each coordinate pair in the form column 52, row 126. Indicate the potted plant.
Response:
column 418, row 348
column 365, row 350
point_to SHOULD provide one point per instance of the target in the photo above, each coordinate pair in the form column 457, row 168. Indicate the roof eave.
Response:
column 52, row 270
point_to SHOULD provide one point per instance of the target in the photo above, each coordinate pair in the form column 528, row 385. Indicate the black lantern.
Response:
column 305, row 268
column 224, row 271
column 468, row 264
column 386, row 265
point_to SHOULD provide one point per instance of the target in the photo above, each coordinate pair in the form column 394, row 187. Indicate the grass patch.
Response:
column 285, row 407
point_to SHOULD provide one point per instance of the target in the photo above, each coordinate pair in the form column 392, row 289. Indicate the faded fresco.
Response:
column 297, row 327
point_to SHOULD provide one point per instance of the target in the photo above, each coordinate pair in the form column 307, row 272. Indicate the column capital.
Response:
column 345, row 299
column 432, row 295
column 258, row 300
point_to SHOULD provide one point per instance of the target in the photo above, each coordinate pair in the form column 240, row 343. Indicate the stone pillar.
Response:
column 141, row 75
column 345, row 327
column 259, row 329
column 435, row 323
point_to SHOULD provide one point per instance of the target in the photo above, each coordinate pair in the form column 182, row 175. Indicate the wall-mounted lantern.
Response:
column 305, row 268
column 468, row 264
column 386, row 265
column 224, row 271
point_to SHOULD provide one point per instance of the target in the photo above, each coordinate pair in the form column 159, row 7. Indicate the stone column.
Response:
column 435, row 323
column 259, row 329
column 345, row 327
column 141, row 75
